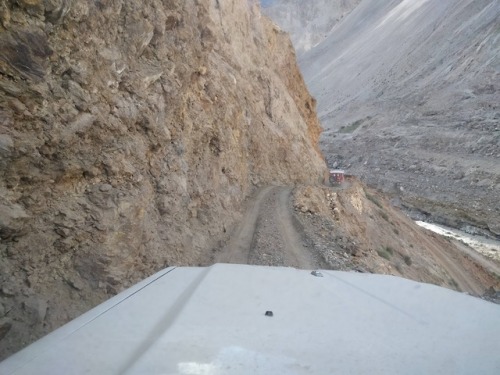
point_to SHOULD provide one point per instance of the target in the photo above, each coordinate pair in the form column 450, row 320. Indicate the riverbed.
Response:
column 482, row 245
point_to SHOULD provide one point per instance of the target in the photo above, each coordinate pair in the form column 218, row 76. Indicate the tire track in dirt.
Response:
column 267, row 234
column 295, row 254
column 238, row 247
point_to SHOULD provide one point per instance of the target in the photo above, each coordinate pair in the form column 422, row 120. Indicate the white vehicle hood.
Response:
column 213, row 321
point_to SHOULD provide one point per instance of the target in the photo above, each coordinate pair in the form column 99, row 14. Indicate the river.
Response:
column 483, row 245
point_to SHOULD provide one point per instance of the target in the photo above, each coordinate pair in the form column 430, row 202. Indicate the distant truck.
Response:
column 337, row 176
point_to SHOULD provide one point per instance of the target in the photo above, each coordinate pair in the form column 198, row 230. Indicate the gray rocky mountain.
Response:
column 308, row 22
column 409, row 92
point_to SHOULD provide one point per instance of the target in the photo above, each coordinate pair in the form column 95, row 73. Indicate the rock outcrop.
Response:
column 130, row 134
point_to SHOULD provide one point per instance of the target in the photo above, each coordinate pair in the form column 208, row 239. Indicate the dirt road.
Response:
column 269, row 234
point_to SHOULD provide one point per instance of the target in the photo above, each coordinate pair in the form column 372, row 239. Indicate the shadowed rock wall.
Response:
column 130, row 134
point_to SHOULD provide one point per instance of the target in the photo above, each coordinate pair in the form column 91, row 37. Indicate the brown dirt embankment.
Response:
column 357, row 228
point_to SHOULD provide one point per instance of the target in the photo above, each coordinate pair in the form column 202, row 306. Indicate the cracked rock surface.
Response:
column 130, row 134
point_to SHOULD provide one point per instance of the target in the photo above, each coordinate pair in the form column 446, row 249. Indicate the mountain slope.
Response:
column 308, row 24
column 130, row 134
column 409, row 94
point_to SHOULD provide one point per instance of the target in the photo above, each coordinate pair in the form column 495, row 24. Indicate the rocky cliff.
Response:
column 130, row 134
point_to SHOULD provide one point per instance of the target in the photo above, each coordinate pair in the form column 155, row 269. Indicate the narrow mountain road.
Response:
column 269, row 234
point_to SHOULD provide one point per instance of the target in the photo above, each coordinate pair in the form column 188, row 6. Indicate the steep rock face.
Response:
column 308, row 22
column 130, row 134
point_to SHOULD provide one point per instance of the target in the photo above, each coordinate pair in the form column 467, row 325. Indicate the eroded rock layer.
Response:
column 130, row 134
